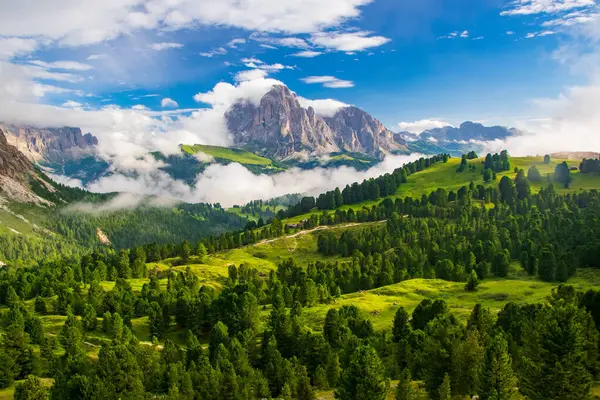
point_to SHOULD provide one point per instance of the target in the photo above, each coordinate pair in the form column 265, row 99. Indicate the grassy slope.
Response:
column 235, row 155
column 444, row 175
column 381, row 304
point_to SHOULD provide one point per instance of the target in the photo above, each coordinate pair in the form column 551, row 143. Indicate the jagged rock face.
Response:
column 50, row 145
column 280, row 127
column 15, row 172
column 12, row 162
column 358, row 131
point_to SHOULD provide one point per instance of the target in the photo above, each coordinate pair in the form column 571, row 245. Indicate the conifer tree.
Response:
column 498, row 380
column 31, row 389
column 404, row 390
column 364, row 378
column 444, row 391
column 558, row 346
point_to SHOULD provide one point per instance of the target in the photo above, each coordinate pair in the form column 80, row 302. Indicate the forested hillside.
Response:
column 451, row 293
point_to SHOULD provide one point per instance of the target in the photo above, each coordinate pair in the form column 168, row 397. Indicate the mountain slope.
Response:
column 50, row 145
column 16, row 173
column 280, row 127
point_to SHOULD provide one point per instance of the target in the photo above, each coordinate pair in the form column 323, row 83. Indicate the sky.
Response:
column 150, row 74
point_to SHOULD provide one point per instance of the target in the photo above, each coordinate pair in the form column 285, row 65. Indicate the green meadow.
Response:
column 231, row 154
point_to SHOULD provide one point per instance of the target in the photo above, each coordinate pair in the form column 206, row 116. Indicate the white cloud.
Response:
column 235, row 42
column 140, row 107
column 270, row 41
column 168, row 103
column 328, row 81
column 258, row 69
column 40, row 90
column 93, row 57
column 165, row 46
column 12, row 46
column 510, row 33
column 203, row 157
column 120, row 202
column 234, row 184
column 530, row 35
column 324, row 107
column 457, row 34
column 479, row 38
column 225, row 94
column 530, row 7
column 307, row 54
column 74, row 23
column 72, row 104
column 216, row 52
column 42, row 73
column 418, row 127
column 348, row 41
column 546, row 33
column 572, row 19
column 63, row 65
column 250, row 75
column 268, row 46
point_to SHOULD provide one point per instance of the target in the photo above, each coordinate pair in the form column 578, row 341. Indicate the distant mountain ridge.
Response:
column 280, row 127
column 456, row 140
column 50, row 145
column 467, row 131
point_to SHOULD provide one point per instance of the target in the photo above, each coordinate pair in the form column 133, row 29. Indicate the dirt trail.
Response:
column 318, row 228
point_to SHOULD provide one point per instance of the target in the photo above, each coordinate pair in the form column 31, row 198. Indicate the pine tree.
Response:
column 498, row 380
column 557, row 350
column 202, row 252
column 444, row 391
column 364, row 378
column 401, row 327
column 320, row 378
column 472, row 282
column 333, row 368
column 304, row 390
column 404, row 390
column 31, row 389
column 89, row 319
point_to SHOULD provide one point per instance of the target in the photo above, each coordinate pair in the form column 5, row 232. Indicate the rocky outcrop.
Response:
column 15, row 172
column 50, row 145
column 357, row 131
column 280, row 127
column 12, row 162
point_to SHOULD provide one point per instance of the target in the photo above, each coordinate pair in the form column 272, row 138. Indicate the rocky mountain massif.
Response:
column 50, row 145
column 16, row 173
column 280, row 127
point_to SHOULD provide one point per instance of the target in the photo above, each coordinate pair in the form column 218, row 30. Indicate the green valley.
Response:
column 412, row 273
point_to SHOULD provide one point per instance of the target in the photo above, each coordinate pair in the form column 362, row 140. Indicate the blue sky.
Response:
column 407, row 60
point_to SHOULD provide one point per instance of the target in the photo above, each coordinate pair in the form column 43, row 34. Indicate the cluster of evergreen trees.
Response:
column 542, row 351
column 497, row 162
column 589, row 165
column 370, row 189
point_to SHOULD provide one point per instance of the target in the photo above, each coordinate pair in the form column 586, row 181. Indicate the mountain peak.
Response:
column 281, row 127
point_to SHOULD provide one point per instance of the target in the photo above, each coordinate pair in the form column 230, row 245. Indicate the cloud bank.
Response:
column 234, row 184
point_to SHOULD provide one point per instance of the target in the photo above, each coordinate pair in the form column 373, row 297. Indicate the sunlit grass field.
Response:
column 235, row 155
